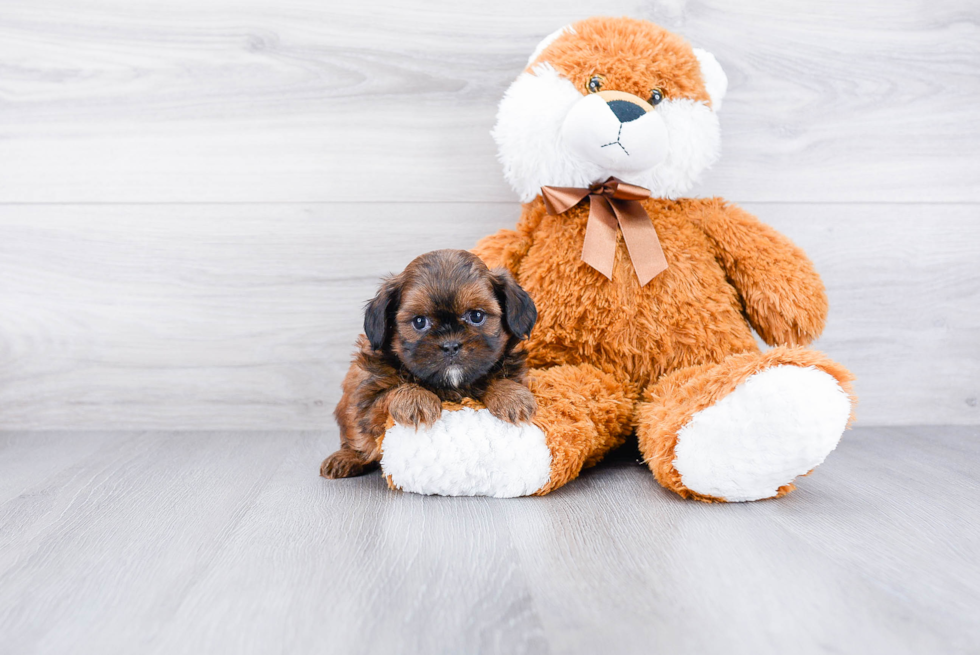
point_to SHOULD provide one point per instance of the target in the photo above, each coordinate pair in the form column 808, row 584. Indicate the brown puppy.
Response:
column 445, row 328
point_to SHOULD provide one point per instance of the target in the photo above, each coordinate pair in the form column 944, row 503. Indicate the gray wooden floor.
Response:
column 221, row 542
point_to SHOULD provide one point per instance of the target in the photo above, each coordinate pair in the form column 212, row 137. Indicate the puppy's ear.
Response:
column 379, row 315
column 520, row 313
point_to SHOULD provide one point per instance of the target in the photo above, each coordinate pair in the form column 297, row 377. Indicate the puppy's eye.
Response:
column 476, row 317
column 656, row 96
column 594, row 85
column 420, row 323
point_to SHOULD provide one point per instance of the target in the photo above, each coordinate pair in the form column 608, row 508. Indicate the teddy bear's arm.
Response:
column 784, row 298
column 505, row 249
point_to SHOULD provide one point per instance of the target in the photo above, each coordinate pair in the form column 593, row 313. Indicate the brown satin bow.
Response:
column 612, row 202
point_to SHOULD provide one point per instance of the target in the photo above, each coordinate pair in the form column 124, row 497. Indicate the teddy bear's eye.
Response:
column 656, row 96
column 594, row 85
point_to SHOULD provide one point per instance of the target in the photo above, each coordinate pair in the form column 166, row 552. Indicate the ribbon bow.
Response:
column 610, row 203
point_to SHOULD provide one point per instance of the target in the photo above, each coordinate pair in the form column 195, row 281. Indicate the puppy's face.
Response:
column 448, row 318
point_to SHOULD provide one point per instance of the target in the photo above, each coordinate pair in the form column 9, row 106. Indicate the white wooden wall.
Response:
column 197, row 196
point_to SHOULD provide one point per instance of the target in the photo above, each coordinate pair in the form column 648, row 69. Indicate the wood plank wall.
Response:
column 197, row 196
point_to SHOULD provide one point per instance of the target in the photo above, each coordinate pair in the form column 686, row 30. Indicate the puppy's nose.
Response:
column 625, row 110
column 450, row 347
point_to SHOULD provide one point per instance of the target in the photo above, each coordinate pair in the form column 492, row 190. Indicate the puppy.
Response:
column 445, row 328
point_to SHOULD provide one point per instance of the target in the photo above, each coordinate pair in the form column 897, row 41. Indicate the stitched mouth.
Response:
column 616, row 142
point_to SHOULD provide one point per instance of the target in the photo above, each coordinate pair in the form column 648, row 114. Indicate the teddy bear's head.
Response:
column 611, row 97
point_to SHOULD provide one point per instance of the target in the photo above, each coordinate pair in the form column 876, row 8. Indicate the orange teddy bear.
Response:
column 645, row 300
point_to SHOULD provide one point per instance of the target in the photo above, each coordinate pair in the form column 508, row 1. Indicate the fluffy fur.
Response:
column 727, row 273
column 665, row 360
column 678, row 403
column 715, row 80
column 468, row 452
column 674, row 360
column 548, row 40
column 737, row 449
column 445, row 329
column 631, row 56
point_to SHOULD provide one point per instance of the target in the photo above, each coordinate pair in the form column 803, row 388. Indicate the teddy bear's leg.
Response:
column 746, row 427
column 582, row 413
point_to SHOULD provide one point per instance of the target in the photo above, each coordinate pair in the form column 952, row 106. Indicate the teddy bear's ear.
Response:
column 715, row 80
column 546, row 41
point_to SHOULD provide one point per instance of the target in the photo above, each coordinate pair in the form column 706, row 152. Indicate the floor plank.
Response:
column 226, row 101
column 171, row 542
column 127, row 529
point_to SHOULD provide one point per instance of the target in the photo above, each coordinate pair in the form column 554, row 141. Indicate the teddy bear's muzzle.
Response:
column 618, row 131
column 626, row 106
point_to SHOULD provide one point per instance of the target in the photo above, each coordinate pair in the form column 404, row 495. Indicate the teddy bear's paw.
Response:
column 467, row 452
column 776, row 425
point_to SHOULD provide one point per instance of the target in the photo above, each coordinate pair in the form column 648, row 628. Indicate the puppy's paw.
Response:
column 510, row 401
column 414, row 406
column 345, row 464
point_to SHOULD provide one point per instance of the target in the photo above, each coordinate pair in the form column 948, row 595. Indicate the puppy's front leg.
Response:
column 510, row 401
column 412, row 405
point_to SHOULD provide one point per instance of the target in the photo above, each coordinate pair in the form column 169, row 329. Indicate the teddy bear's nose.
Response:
column 625, row 110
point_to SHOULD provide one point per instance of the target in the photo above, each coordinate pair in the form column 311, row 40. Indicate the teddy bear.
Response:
column 646, row 298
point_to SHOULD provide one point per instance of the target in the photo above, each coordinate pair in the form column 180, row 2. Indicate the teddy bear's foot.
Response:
column 745, row 428
column 467, row 452
column 582, row 413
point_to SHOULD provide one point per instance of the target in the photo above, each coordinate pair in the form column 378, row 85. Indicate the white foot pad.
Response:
column 775, row 426
column 467, row 452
